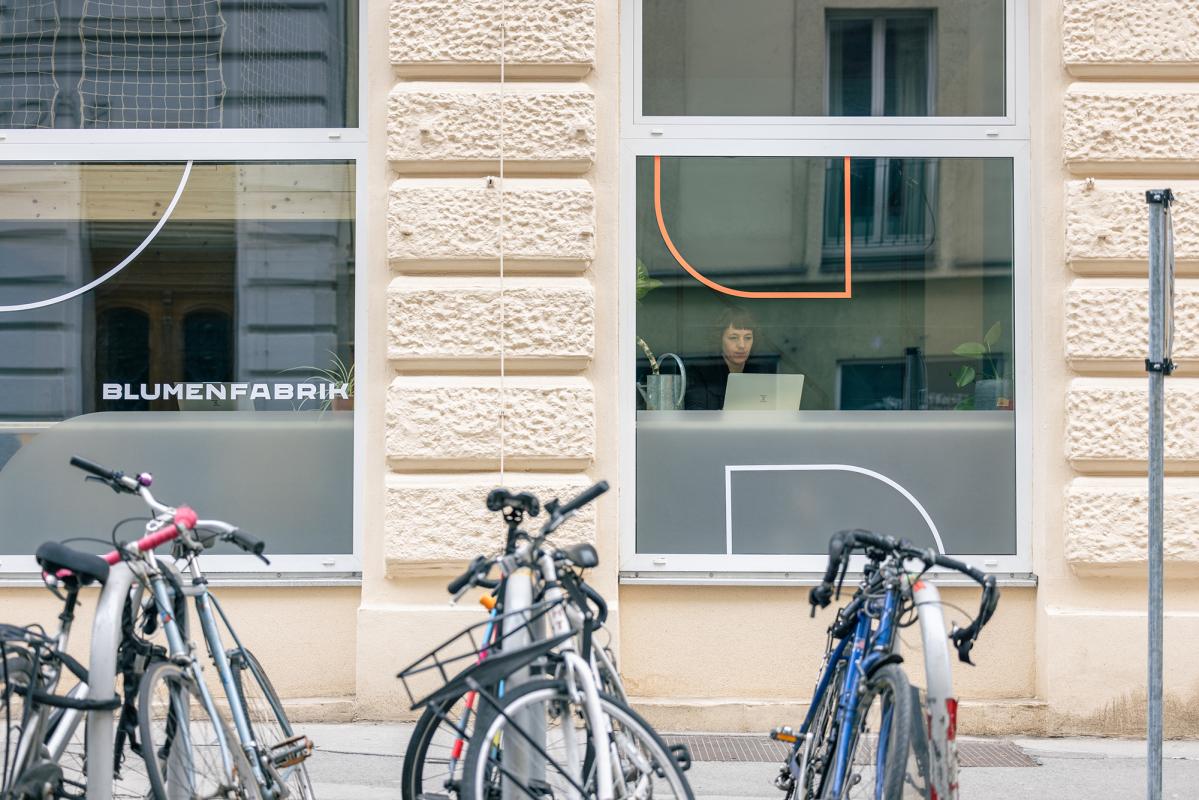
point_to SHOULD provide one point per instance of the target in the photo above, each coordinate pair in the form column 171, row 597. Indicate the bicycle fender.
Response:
column 878, row 663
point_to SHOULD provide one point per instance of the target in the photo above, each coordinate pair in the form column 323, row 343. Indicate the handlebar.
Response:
column 583, row 498
column 843, row 543
column 183, row 518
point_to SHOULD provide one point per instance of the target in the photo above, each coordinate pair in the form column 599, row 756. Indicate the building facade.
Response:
column 503, row 215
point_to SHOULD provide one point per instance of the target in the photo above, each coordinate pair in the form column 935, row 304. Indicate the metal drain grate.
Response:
column 709, row 747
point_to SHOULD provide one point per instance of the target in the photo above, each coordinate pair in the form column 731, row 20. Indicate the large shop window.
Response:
column 220, row 358
column 178, row 64
column 845, row 326
column 803, row 58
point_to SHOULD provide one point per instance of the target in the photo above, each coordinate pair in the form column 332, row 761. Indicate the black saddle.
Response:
column 53, row 556
column 581, row 555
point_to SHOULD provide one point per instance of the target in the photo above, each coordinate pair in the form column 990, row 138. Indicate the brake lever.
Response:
column 963, row 640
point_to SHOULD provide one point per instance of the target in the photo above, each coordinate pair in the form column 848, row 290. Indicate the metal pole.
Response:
column 1158, row 365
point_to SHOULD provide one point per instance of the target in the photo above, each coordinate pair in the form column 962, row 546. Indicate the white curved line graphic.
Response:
column 62, row 298
column 878, row 476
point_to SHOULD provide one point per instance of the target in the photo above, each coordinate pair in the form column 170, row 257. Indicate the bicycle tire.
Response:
column 179, row 774
column 642, row 755
column 268, row 720
column 436, row 752
column 888, row 685
column 823, row 747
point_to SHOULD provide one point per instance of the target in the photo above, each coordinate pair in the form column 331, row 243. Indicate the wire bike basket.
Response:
column 500, row 644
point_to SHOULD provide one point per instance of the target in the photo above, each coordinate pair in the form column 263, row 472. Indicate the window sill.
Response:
column 263, row 580
column 645, row 578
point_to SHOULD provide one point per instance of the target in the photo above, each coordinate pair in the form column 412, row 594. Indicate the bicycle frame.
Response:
column 861, row 653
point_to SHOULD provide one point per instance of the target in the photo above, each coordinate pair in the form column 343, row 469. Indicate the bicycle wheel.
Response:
column 181, row 744
column 887, row 769
column 436, row 752
column 501, row 762
column 822, row 750
column 272, row 730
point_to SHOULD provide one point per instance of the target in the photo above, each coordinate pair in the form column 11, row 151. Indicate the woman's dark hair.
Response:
column 735, row 317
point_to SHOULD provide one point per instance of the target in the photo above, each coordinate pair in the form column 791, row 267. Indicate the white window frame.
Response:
column 860, row 137
column 228, row 145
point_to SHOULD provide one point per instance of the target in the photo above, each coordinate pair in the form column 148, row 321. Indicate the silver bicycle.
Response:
column 187, row 748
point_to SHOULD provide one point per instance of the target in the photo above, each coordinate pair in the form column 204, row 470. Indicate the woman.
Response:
column 706, row 385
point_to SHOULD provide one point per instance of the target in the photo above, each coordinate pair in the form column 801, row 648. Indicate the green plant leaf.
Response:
column 970, row 349
column 993, row 335
column 964, row 376
column 645, row 284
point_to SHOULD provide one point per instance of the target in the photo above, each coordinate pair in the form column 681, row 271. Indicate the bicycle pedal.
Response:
column 784, row 733
column 290, row 752
column 682, row 756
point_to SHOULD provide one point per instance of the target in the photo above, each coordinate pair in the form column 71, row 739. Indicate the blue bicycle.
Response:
column 833, row 756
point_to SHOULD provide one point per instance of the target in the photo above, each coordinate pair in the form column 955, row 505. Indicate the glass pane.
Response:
column 796, row 58
column 219, row 359
column 850, row 69
column 178, row 64
column 893, row 362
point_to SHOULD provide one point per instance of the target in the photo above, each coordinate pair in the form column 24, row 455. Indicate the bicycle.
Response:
column 915, row 754
column 185, row 743
column 548, row 728
column 435, row 753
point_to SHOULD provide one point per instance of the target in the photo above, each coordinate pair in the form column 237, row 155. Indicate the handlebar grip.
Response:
column 583, row 498
column 600, row 604
column 463, row 580
column 836, row 552
column 251, row 544
column 93, row 468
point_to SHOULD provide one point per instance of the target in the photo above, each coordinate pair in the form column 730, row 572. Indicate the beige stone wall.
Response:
column 474, row 363
column 1126, row 125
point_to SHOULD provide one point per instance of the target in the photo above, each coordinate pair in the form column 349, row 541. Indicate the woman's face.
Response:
column 735, row 345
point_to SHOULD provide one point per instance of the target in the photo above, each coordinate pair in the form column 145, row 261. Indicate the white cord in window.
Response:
column 500, row 188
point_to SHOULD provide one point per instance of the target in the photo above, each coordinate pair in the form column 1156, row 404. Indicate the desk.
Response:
column 767, row 482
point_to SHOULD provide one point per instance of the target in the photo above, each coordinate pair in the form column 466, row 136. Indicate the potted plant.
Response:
column 336, row 374
column 991, row 389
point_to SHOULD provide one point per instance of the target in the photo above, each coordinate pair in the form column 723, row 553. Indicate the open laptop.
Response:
column 749, row 391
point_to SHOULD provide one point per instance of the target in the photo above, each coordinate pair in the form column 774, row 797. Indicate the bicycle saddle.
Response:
column 581, row 555
column 53, row 556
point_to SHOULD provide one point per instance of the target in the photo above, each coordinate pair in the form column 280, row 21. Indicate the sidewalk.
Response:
column 362, row 760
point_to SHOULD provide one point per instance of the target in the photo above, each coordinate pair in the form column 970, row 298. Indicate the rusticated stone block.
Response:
column 1107, row 522
column 441, row 422
column 435, row 128
column 465, row 320
column 1106, row 221
column 1111, row 323
column 1107, row 422
column 548, row 224
column 465, row 528
column 1117, row 32
column 463, row 36
column 1130, row 125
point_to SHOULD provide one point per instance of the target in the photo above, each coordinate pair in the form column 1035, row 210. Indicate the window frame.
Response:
column 935, row 137
column 229, row 145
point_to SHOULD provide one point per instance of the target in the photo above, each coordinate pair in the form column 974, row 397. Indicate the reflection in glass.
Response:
column 200, row 361
column 800, row 59
column 178, row 64
column 911, row 376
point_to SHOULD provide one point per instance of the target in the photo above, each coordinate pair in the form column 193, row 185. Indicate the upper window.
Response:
column 178, row 64
column 793, row 58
